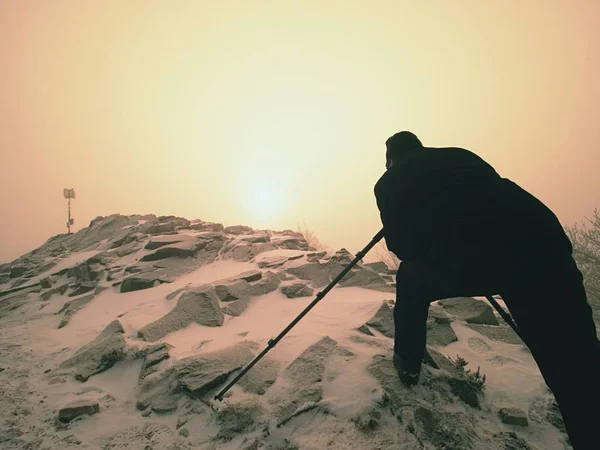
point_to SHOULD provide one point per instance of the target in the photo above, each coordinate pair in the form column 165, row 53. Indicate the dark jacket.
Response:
column 448, row 206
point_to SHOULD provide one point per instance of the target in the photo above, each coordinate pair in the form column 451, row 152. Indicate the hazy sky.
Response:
column 275, row 113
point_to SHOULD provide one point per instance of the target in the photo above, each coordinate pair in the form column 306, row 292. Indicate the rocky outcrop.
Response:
column 185, row 249
column 100, row 354
column 200, row 374
column 470, row 310
column 513, row 416
column 199, row 306
column 77, row 409
column 297, row 290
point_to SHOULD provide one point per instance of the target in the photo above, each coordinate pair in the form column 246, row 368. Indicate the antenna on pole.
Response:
column 69, row 194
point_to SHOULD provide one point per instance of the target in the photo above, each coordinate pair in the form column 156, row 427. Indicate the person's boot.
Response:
column 408, row 370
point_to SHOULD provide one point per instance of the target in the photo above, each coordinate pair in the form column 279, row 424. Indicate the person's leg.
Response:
column 417, row 285
column 557, row 325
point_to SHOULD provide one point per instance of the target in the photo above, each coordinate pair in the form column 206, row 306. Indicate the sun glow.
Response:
column 263, row 201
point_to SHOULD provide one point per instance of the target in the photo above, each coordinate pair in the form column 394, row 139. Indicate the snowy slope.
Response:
column 140, row 320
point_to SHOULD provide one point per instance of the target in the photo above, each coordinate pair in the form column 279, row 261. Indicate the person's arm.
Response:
column 407, row 230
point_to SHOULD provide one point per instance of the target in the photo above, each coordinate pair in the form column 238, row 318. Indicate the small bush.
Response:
column 475, row 379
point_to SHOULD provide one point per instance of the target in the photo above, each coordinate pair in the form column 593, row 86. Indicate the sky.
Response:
column 274, row 114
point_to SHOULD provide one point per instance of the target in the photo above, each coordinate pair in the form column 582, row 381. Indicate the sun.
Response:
column 262, row 201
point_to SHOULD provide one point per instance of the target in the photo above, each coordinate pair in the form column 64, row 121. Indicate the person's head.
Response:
column 399, row 144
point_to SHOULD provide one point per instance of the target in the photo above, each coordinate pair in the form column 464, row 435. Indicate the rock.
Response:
column 161, row 241
column 199, row 306
column 453, row 430
column 70, row 308
column 181, row 421
column 200, row 374
column 82, row 288
column 154, row 356
column 249, row 276
column 159, row 393
column 46, row 283
column 236, row 308
column 470, row 310
column 453, row 376
column 364, row 329
column 175, row 293
column 18, row 271
column 184, row 432
column 499, row 333
column 316, row 272
column 60, row 290
column 100, row 354
column 233, row 290
column 261, row 377
column 379, row 267
column 366, row 279
column 438, row 314
column 440, row 334
column 239, row 418
column 257, row 238
column 383, row 321
column 127, row 249
column 157, row 228
column 342, row 256
column 185, row 249
column 137, row 283
column 78, row 408
column 297, row 290
column 272, row 262
column 291, row 243
column 315, row 256
column 513, row 416
column 237, row 229
column 207, row 226
column 303, row 379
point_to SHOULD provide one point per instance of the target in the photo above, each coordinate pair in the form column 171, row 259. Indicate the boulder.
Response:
column 161, row 241
column 77, row 409
column 185, row 249
column 317, row 273
column 236, row 308
column 366, row 279
column 257, row 238
column 153, row 357
column 199, row 306
column 100, row 354
column 272, row 262
column 237, row 229
column 499, row 333
column 342, row 256
column 379, row 267
column 440, row 334
column 157, row 228
column 383, row 320
column 233, row 290
column 137, row 283
column 513, row 416
column 201, row 373
column 18, row 271
column 82, row 288
column 290, row 243
column 160, row 393
column 297, row 290
column 303, row 378
column 207, row 226
column 46, row 283
column 470, row 310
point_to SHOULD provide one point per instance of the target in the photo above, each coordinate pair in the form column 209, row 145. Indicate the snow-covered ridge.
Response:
column 119, row 336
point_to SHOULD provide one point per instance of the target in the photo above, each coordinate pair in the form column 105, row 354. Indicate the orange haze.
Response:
column 275, row 113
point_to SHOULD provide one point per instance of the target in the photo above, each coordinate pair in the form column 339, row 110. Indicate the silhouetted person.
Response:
column 462, row 230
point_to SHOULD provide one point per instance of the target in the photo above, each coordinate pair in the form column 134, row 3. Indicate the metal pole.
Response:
column 506, row 316
column 69, row 218
column 273, row 342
